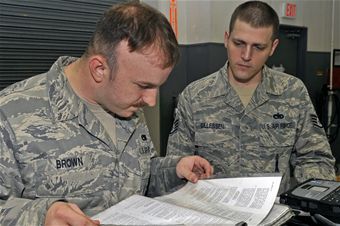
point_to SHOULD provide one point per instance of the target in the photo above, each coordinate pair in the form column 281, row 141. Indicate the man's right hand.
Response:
column 67, row 214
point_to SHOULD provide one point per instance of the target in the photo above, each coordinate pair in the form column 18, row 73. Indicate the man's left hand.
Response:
column 193, row 168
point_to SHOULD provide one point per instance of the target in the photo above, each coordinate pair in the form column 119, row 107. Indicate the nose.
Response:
column 246, row 53
column 150, row 97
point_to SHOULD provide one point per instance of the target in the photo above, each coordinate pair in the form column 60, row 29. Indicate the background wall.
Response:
column 201, row 26
column 34, row 33
column 202, row 21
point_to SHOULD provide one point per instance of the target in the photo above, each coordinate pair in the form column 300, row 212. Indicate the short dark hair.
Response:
column 257, row 14
column 140, row 25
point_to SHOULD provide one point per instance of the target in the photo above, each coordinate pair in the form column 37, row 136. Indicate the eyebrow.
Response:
column 253, row 44
column 147, row 84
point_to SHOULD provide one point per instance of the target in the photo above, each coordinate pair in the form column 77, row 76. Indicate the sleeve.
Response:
column 15, row 210
column 313, row 156
column 182, row 135
column 180, row 143
column 163, row 177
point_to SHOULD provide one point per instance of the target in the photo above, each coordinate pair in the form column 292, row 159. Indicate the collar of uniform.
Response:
column 233, row 99
column 63, row 101
column 125, row 128
column 274, row 82
column 88, row 119
column 217, row 83
column 129, row 124
column 211, row 86
column 66, row 105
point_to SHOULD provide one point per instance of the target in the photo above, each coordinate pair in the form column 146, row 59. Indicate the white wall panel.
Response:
column 202, row 21
column 337, row 24
column 317, row 17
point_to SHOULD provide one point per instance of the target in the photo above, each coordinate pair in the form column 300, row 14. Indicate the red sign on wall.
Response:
column 289, row 10
column 173, row 16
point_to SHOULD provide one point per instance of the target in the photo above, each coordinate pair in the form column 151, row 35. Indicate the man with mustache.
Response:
column 73, row 140
column 247, row 118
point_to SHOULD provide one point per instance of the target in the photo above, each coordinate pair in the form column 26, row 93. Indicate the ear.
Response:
column 226, row 38
column 275, row 43
column 98, row 68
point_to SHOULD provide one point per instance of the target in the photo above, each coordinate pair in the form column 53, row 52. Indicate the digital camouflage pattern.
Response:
column 53, row 148
column 278, row 131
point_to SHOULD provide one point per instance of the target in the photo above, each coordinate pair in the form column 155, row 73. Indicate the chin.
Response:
column 125, row 114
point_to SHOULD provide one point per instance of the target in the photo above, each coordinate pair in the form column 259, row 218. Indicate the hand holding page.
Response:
column 224, row 201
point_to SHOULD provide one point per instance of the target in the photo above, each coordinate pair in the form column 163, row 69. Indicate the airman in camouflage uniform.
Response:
column 276, row 131
column 52, row 147
column 55, row 152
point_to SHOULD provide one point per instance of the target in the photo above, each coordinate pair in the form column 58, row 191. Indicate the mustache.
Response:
column 140, row 104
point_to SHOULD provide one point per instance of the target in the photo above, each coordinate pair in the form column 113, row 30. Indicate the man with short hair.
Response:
column 247, row 118
column 73, row 140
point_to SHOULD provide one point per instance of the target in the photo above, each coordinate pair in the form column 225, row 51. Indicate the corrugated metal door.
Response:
column 34, row 33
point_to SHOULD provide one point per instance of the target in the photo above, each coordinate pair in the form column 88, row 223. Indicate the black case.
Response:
column 328, row 205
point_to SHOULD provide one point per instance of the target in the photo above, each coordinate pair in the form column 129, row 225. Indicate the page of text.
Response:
column 237, row 199
column 140, row 210
column 224, row 201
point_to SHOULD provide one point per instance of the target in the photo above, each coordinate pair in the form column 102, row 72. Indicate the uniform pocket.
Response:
column 275, row 136
column 134, row 175
column 74, row 184
column 74, row 173
column 275, row 147
column 217, row 148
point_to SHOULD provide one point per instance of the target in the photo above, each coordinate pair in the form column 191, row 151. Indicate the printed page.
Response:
column 278, row 215
column 226, row 201
column 140, row 210
column 246, row 199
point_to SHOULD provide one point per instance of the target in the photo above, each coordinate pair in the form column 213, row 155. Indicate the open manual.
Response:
column 226, row 201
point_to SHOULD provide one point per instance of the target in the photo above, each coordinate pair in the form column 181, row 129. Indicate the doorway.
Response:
column 291, row 51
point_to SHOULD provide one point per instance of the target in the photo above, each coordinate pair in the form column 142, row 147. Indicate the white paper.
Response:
column 224, row 201
column 278, row 215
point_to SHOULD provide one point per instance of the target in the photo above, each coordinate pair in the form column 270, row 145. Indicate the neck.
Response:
column 252, row 82
column 78, row 79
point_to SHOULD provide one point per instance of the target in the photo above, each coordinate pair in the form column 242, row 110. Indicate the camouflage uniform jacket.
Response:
column 53, row 148
column 278, row 131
